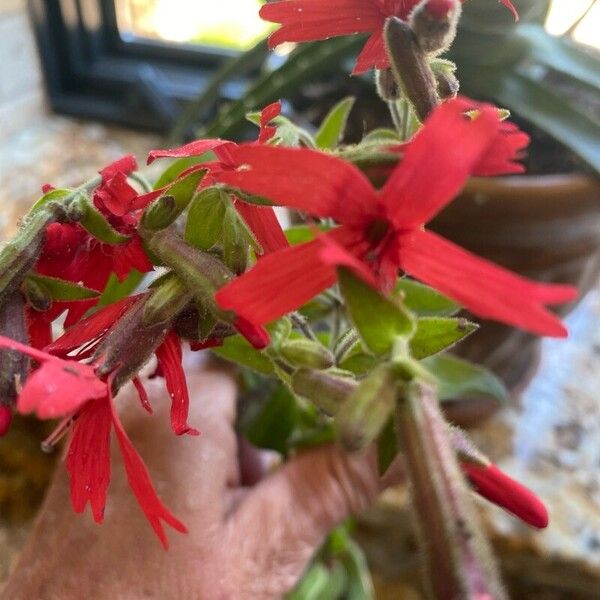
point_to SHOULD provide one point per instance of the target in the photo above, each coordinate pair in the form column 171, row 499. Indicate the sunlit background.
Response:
column 236, row 24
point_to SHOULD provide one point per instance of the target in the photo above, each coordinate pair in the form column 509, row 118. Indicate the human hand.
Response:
column 250, row 535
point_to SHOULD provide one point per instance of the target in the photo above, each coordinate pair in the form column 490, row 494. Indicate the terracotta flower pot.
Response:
column 546, row 227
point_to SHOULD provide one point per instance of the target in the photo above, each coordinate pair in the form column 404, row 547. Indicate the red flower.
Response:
column 382, row 230
column 66, row 388
column 72, row 254
column 310, row 20
column 491, row 483
column 5, row 419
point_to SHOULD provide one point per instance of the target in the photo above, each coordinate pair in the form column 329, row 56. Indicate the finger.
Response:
column 255, row 463
column 291, row 511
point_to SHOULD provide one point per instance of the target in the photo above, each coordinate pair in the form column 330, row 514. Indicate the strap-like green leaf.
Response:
column 333, row 126
column 59, row 289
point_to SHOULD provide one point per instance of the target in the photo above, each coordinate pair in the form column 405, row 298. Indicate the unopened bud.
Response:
column 447, row 83
column 387, row 86
column 326, row 390
column 306, row 353
column 169, row 296
column 160, row 214
column 411, row 67
column 368, row 409
column 37, row 297
column 434, row 24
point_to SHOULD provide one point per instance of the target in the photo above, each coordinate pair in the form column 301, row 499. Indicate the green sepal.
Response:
column 173, row 171
column 94, row 222
column 169, row 296
column 184, row 189
column 61, row 290
column 306, row 353
column 204, row 224
column 237, row 350
column 334, row 124
column 160, row 214
column 423, row 300
column 379, row 320
column 434, row 334
column 57, row 195
column 459, row 378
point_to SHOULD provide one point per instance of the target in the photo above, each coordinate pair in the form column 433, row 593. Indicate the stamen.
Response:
column 50, row 443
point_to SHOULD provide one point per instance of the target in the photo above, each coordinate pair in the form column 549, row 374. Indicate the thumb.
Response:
column 283, row 520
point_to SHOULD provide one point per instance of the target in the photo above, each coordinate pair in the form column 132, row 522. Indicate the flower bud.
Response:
column 411, row 67
column 387, row 86
column 306, row 353
column 368, row 409
column 169, row 296
column 447, row 82
column 324, row 389
column 434, row 24
column 457, row 558
column 160, row 214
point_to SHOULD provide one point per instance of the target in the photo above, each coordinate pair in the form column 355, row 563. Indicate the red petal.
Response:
column 510, row 7
column 438, row 162
column 501, row 489
column 279, row 283
column 58, row 388
column 129, row 256
column 266, row 116
column 308, row 20
column 196, row 148
column 127, row 165
column 116, row 195
column 6, row 415
column 88, row 458
column 481, row 286
column 169, row 357
column 373, row 55
column 141, row 485
column 93, row 327
column 257, row 336
column 263, row 223
column 141, row 390
column 39, row 328
column 502, row 154
column 315, row 182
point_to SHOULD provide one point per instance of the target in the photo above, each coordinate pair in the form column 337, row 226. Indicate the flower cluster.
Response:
column 218, row 264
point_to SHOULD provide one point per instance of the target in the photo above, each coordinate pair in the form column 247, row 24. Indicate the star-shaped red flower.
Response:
column 382, row 231
column 310, row 20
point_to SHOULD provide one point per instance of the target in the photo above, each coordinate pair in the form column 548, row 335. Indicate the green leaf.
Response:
column 93, row 221
column 237, row 350
column 204, row 224
column 423, row 300
column 359, row 584
column 184, row 190
column 116, row 290
column 333, row 126
column 275, row 422
column 299, row 234
column 434, row 334
column 383, row 136
column 458, row 378
column 62, row 290
column 318, row 583
column 378, row 320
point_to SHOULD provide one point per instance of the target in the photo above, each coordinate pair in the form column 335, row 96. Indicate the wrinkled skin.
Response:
column 250, row 536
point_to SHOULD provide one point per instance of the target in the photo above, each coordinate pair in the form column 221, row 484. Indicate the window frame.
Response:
column 92, row 72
